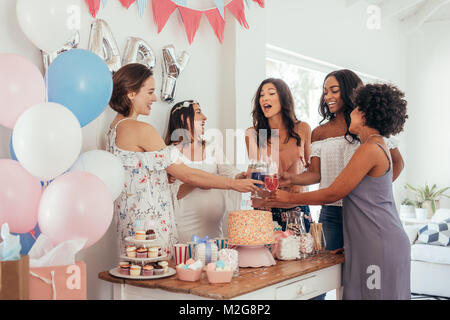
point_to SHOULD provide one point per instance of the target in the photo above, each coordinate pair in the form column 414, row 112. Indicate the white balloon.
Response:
column 106, row 166
column 47, row 140
column 49, row 24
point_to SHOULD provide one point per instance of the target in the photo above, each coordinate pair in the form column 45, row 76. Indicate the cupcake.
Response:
column 124, row 268
column 150, row 234
column 140, row 235
column 158, row 270
column 147, row 270
column 164, row 265
column 135, row 270
column 131, row 251
column 153, row 252
column 141, row 252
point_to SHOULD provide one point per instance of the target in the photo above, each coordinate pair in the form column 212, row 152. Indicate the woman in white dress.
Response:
column 147, row 160
column 199, row 211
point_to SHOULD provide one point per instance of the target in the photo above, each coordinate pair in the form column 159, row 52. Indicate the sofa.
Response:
column 430, row 264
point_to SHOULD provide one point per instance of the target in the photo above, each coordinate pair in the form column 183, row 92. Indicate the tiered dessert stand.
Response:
column 142, row 261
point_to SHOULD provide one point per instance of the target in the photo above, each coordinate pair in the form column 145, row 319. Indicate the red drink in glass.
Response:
column 271, row 182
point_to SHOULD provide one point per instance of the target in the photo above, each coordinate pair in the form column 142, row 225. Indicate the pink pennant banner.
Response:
column 237, row 9
column 260, row 2
column 162, row 9
column 217, row 22
column 191, row 21
column 94, row 6
column 127, row 3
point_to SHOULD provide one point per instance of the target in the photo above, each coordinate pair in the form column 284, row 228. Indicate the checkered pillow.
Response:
column 435, row 234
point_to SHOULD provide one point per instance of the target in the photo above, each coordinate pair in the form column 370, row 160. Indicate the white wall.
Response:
column 429, row 106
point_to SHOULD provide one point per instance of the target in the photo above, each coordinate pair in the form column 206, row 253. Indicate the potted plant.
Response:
column 428, row 198
column 407, row 208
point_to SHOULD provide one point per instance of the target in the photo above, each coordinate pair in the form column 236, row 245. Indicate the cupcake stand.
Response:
column 142, row 261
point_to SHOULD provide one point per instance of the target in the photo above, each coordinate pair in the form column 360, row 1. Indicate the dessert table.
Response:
column 287, row 280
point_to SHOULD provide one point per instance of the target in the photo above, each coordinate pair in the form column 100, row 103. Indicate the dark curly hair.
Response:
column 129, row 78
column 348, row 82
column 383, row 106
column 261, row 123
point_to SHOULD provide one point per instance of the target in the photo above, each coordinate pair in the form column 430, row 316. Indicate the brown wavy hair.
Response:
column 261, row 123
column 129, row 78
column 178, row 119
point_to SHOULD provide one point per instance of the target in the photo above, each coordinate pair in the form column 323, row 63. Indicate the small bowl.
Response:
column 219, row 276
column 189, row 274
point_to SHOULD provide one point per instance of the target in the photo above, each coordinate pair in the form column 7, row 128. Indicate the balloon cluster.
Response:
column 47, row 138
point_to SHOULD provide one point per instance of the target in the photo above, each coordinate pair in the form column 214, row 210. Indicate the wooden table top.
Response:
column 249, row 279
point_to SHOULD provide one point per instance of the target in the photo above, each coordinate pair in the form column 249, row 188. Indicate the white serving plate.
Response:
column 160, row 258
column 115, row 272
column 153, row 242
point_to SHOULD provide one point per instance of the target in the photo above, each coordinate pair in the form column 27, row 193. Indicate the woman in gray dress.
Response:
column 377, row 250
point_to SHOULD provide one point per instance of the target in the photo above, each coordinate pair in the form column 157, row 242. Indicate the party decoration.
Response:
column 162, row 9
column 28, row 239
column 47, row 140
column 94, row 6
column 142, row 5
column 76, row 205
column 137, row 50
column 21, row 87
column 236, row 7
column 20, row 194
column 104, row 2
column 11, row 150
column 216, row 22
column 172, row 69
column 49, row 24
column 10, row 246
column 191, row 20
column 105, row 166
column 81, row 81
column 220, row 7
column 47, row 58
column 127, row 3
column 103, row 43
column 260, row 2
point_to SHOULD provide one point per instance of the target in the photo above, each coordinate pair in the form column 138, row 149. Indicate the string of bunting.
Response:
column 163, row 9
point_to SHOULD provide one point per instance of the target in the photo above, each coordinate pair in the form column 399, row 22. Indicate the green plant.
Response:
column 426, row 193
column 408, row 202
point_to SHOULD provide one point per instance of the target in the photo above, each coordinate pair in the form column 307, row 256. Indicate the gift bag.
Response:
column 66, row 282
column 14, row 281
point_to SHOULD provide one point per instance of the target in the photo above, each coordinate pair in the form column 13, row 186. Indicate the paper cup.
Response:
column 191, row 249
column 181, row 253
column 221, row 243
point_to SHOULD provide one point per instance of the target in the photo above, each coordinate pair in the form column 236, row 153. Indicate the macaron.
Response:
column 190, row 261
column 211, row 266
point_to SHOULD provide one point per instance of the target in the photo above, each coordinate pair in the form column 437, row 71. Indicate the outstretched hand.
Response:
column 279, row 196
column 285, row 179
column 242, row 175
column 245, row 185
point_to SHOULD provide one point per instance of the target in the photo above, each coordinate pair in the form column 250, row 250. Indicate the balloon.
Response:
column 137, row 50
column 47, row 140
column 172, row 69
column 106, row 166
column 21, row 87
column 49, row 24
column 20, row 194
column 11, row 150
column 47, row 58
column 81, row 81
column 76, row 205
column 102, row 43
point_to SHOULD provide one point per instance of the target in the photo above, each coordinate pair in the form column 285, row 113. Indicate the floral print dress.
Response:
column 146, row 195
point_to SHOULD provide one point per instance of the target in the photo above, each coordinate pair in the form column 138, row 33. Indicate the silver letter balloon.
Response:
column 102, row 43
column 137, row 50
column 48, row 58
column 172, row 68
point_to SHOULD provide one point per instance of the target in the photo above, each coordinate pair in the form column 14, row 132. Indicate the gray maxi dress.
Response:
column 376, row 248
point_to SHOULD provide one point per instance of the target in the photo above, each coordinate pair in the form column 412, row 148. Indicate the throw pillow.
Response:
column 435, row 234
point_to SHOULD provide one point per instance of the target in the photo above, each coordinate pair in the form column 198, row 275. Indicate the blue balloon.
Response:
column 28, row 239
column 11, row 150
column 81, row 81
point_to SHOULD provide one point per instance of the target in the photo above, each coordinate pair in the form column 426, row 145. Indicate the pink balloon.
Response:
column 21, row 87
column 76, row 205
column 20, row 194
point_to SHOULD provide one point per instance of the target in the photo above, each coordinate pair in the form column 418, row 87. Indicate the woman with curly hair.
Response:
column 277, row 134
column 377, row 249
column 332, row 147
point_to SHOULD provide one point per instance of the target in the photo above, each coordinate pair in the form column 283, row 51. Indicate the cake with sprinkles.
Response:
column 250, row 227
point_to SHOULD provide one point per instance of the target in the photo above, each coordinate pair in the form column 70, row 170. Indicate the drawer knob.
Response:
column 301, row 290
